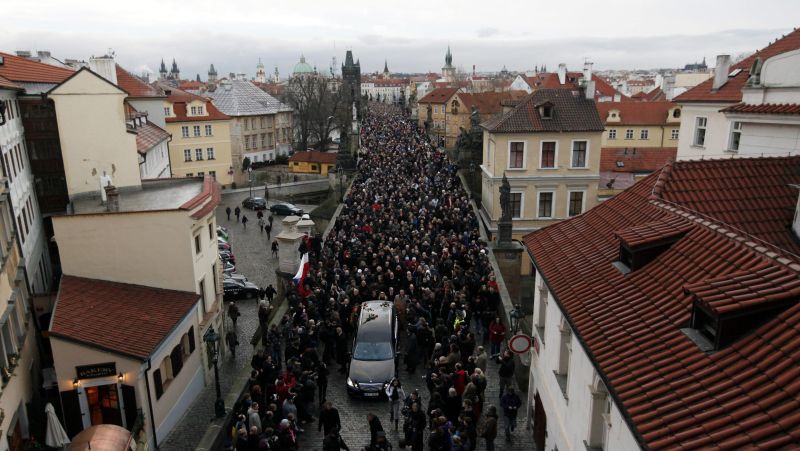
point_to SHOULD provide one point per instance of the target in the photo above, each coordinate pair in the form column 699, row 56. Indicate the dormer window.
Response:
column 547, row 112
column 728, row 307
column 676, row 113
column 642, row 244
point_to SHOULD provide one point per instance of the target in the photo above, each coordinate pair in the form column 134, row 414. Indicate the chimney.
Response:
column 721, row 71
column 589, row 91
column 562, row 73
column 105, row 67
column 23, row 53
column 587, row 71
column 43, row 54
column 112, row 196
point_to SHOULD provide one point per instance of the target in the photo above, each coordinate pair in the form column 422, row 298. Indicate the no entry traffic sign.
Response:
column 519, row 344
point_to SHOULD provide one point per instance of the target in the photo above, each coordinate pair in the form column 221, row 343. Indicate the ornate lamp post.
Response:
column 340, row 173
column 250, row 179
column 211, row 338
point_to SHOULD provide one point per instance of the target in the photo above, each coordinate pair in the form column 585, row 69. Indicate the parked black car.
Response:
column 255, row 203
column 234, row 290
column 373, row 361
column 286, row 210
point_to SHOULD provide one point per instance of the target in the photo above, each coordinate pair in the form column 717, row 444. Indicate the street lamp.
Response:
column 212, row 345
column 250, row 177
column 340, row 173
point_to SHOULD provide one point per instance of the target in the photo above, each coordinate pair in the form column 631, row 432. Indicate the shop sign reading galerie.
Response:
column 96, row 370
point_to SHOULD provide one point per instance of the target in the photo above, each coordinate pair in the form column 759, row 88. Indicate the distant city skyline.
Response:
column 616, row 35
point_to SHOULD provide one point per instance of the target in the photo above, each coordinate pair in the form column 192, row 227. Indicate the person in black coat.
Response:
column 374, row 427
column 329, row 420
column 341, row 350
column 412, row 351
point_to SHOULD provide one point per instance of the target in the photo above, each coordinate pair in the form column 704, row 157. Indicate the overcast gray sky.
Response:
column 411, row 35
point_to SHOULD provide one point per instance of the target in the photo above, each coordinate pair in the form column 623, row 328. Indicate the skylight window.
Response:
column 734, row 73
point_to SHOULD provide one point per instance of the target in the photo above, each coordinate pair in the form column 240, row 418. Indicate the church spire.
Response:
column 448, row 58
column 385, row 66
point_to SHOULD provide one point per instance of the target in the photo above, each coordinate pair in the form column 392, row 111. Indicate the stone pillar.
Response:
column 509, row 258
column 288, row 242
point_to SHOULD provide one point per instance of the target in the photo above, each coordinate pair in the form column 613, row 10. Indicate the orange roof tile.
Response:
column 16, row 68
column 636, row 113
column 731, row 91
column 8, row 84
column 570, row 113
column 439, row 95
column 766, row 108
column 134, row 86
column 126, row 319
column 488, row 103
column 672, row 394
column 148, row 135
column 636, row 159
column 179, row 98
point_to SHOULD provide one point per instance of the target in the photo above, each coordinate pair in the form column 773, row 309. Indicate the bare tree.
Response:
column 318, row 110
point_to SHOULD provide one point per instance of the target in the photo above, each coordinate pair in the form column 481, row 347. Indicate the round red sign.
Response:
column 519, row 344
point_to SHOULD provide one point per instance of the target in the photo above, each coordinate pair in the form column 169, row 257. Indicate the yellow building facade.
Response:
column 548, row 148
column 312, row 162
column 201, row 138
column 437, row 102
column 640, row 124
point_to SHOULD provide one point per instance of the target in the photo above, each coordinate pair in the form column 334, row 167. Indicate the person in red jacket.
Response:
column 497, row 332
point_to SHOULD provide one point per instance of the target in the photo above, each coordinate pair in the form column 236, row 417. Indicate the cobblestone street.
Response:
column 251, row 249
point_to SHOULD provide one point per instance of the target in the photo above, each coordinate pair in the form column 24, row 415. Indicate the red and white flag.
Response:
column 299, row 279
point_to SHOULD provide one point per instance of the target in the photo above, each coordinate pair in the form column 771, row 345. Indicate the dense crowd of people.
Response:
column 407, row 234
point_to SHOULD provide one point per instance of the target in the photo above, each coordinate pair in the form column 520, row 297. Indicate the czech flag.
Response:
column 299, row 279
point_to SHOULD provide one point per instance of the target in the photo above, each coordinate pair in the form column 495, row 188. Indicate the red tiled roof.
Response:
column 765, row 108
column 636, row 113
column 439, row 95
column 126, row 319
column 570, row 112
column 8, row 84
column 314, row 156
column 671, row 393
column 16, row 68
column 148, row 135
column 179, row 98
column 550, row 80
column 134, row 86
column 489, row 103
column 753, row 195
column 636, row 159
column 731, row 91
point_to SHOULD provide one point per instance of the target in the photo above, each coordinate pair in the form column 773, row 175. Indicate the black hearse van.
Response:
column 372, row 363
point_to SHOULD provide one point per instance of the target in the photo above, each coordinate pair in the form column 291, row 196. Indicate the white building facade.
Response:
column 568, row 403
column 27, row 218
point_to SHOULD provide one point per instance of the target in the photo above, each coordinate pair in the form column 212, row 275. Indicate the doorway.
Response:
column 539, row 423
column 103, row 401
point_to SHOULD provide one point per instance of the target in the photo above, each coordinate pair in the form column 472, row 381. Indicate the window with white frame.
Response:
column 210, row 153
column 674, row 134
column 209, row 130
column 213, row 174
column 187, row 154
column 200, row 111
column 516, row 155
column 564, row 354
column 600, row 416
column 545, row 204
column 196, row 129
column 247, row 141
column 541, row 312
column 547, row 158
column 185, row 131
column 167, row 111
column 579, row 151
column 194, row 111
column 700, row 124
column 644, row 134
column 198, row 154
column 575, row 203
column 612, row 133
column 736, row 136
column 629, row 133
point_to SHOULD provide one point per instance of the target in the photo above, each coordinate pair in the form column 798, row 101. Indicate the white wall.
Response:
column 568, row 419
column 21, row 192
column 717, row 131
column 519, row 84
column 154, row 109
column 769, row 139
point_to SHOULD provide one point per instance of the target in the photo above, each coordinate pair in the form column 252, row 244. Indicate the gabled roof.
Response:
column 572, row 80
column 18, row 69
column 313, row 156
column 148, row 136
column 191, row 85
column 5, row 83
column 488, row 103
column 130, row 320
column 731, row 91
column 672, row 394
column 637, row 113
column 571, row 112
column 179, row 98
column 439, row 95
column 134, row 86
column 636, row 159
column 242, row 98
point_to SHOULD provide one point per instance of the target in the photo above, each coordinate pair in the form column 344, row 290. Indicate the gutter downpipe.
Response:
column 150, row 402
